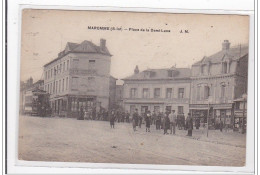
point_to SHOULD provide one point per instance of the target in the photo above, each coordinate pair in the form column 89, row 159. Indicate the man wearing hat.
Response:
column 189, row 125
column 135, row 119
column 173, row 118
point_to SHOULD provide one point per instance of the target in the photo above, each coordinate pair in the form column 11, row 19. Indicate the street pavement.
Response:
column 71, row 140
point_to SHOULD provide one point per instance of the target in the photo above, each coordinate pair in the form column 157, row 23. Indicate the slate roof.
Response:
column 233, row 53
column 162, row 74
column 84, row 47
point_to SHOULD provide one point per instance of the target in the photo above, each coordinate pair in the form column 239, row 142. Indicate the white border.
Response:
column 14, row 25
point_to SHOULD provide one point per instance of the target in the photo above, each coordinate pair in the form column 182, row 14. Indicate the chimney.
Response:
column 102, row 44
column 225, row 45
column 136, row 69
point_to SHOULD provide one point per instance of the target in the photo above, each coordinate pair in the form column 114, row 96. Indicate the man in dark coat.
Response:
column 81, row 114
column 221, row 125
column 158, row 121
column 112, row 119
column 189, row 125
column 148, row 121
column 166, row 124
column 135, row 119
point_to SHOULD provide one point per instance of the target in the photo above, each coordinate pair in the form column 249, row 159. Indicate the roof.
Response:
column 233, row 53
column 84, row 47
column 181, row 73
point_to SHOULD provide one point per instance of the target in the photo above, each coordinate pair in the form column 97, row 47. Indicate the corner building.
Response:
column 216, row 81
column 158, row 90
column 79, row 76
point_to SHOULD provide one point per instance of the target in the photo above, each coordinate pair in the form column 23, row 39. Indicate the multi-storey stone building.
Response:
column 216, row 81
column 158, row 90
column 79, row 76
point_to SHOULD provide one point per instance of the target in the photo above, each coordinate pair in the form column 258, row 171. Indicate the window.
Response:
column 169, row 93
column 223, row 88
column 206, row 92
column 156, row 109
column 145, row 93
column 46, row 75
column 132, row 109
column 45, row 87
column 59, row 85
column 51, row 72
column 181, row 93
column 133, row 93
column 67, row 80
column 57, row 69
column 60, row 68
column 50, row 88
column 91, row 64
column 203, row 69
column 180, row 110
column 157, row 93
column 74, row 83
column 68, row 64
column 91, row 82
column 198, row 93
column 64, row 66
column 56, row 87
column 63, row 85
column 224, row 68
column 168, row 108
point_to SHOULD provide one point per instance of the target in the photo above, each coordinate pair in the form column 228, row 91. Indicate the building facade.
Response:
column 216, row 81
column 79, row 76
column 158, row 90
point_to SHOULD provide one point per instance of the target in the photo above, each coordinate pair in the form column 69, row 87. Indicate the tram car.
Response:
column 36, row 102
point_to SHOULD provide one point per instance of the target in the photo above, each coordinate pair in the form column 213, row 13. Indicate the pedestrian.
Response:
column 112, row 119
column 221, row 125
column 189, row 125
column 127, row 116
column 135, row 119
column 148, row 121
column 157, row 121
column 197, row 123
column 81, row 114
column 166, row 124
column 140, row 120
column 173, row 118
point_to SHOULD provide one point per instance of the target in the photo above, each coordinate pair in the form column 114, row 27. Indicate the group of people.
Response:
column 168, row 121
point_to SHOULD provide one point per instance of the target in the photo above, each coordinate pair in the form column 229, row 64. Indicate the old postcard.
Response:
column 133, row 88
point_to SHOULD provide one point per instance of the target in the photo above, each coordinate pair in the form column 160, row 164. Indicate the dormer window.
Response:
column 224, row 67
column 172, row 73
column 149, row 74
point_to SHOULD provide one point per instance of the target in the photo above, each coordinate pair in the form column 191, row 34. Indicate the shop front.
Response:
column 69, row 106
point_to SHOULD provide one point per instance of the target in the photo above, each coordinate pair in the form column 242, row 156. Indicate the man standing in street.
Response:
column 189, row 123
column 172, row 117
column 135, row 119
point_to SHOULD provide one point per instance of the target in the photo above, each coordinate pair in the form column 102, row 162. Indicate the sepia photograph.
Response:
column 133, row 88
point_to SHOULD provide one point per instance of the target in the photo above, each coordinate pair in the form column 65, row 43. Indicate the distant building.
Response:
column 28, row 88
column 158, row 90
column 216, row 81
column 79, row 76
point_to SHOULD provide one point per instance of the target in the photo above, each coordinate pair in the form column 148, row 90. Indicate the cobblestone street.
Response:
column 71, row 140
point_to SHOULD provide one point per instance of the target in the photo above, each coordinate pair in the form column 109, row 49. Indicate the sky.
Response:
column 46, row 32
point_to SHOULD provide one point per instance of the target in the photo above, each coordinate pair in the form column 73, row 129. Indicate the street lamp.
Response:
column 209, row 101
column 244, row 96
